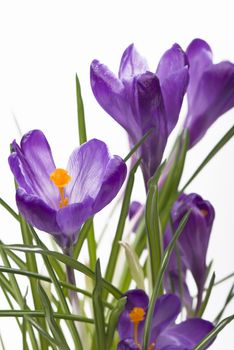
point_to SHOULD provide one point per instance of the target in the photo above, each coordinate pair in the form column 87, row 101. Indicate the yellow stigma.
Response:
column 61, row 178
column 152, row 346
column 137, row 315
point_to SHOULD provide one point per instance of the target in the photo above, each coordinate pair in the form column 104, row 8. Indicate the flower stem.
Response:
column 73, row 297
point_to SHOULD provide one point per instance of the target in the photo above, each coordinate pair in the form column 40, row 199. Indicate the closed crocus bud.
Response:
column 142, row 101
column 193, row 241
column 210, row 89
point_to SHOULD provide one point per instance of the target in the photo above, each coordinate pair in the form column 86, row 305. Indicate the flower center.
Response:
column 136, row 316
column 61, row 178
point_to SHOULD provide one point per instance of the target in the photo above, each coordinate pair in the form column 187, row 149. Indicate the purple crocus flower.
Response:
column 140, row 100
column 59, row 201
column 193, row 241
column 165, row 334
column 210, row 89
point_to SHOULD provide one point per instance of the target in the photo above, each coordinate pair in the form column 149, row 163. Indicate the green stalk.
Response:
column 32, row 266
column 19, row 298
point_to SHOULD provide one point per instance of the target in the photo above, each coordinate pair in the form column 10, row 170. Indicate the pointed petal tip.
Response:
column 198, row 44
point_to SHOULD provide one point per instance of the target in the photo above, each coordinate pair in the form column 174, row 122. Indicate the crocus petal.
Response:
column 36, row 212
column 110, row 93
column 173, row 284
column 86, row 166
column 134, row 207
column 127, row 344
column 173, row 90
column 17, row 169
column 173, row 75
column 172, row 61
column 72, row 217
column 113, row 178
column 214, row 97
column 166, row 310
column 193, row 241
column 132, row 64
column 200, row 59
column 35, row 163
column 150, row 114
column 185, row 335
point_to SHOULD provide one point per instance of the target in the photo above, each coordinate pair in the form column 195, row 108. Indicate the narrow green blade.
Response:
column 205, row 341
column 98, row 310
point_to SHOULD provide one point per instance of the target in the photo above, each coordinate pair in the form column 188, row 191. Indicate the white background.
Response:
column 44, row 43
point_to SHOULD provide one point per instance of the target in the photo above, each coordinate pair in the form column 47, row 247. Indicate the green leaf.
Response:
column 137, row 145
column 92, row 246
column 157, row 287
column 138, row 246
column 80, row 112
column 56, row 331
column 113, row 321
column 206, row 340
column 9, row 209
column 174, row 167
column 212, row 153
column 153, row 226
column 32, row 266
column 18, row 297
column 98, row 310
column 207, row 297
column 46, row 335
column 229, row 297
column 62, row 299
column 30, row 313
column 67, row 261
column 224, row 279
column 121, row 224
column 134, row 265
column 2, row 343
column 81, row 238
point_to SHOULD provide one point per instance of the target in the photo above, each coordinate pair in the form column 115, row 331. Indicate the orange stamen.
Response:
column 136, row 316
column 61, row 178
column 152, row 346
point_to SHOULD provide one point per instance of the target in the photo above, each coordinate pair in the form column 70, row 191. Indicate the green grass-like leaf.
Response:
column 98, row 310
column 157, row 287
column 153, row 226
column 113, row 321
column 49, row 315
column 205, row 341
column 67, row 261
column 212, row 153
column 207, row 297
column 137, row 145
column 229, row 297
column 121, row 224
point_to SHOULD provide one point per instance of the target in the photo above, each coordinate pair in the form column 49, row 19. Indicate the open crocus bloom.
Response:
column 193, row 241
column 210, row 89
column 140, row 100
column 165, row 334
column 59, row 201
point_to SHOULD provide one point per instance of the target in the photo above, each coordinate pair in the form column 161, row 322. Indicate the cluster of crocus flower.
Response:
column 142, row 101
column 59, row 200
